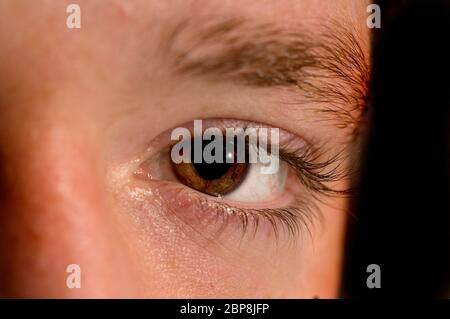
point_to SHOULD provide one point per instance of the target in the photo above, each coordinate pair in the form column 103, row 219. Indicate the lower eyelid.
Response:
column 210, row 220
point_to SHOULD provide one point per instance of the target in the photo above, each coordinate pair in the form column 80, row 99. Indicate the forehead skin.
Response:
column 56, row 82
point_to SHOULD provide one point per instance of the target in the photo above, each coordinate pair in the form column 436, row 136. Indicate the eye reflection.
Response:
column 216, row 179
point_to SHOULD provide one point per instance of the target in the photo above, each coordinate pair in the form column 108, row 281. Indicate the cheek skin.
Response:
column 54, row 213
column 177, row 263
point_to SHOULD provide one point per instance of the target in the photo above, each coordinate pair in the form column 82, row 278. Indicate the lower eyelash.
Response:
column 295, row 220
column 200, row 213
column 300, row 217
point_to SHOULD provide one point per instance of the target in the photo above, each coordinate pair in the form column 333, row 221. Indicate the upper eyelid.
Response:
column 314, row 173
column 302, row 156
column 163, row 140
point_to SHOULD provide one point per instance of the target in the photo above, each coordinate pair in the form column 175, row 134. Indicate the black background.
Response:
column 401, row 220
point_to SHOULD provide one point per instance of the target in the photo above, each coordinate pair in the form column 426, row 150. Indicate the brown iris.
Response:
column 215, row 179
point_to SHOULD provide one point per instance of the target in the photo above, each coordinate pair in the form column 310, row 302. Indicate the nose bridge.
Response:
column 52, row 213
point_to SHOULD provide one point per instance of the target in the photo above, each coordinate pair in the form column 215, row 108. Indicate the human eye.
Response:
column 272, row 190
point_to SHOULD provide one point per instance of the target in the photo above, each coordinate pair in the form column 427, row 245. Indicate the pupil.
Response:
column 211, row 171
column 214, row 170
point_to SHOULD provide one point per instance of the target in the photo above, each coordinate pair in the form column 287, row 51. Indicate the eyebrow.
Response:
column 328, row 68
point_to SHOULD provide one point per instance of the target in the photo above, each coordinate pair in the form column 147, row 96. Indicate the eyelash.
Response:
column 294, row 219
column 298, row 218
column 316, row 174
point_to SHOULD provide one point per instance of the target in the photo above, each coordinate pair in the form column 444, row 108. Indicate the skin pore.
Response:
column 84, row 112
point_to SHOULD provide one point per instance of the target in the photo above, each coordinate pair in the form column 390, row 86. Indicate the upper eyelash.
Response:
column 317, row 174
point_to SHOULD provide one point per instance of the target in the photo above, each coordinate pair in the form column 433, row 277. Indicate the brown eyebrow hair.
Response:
column 328, row 67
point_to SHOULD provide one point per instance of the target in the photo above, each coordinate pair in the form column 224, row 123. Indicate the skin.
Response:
column 78, row 109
